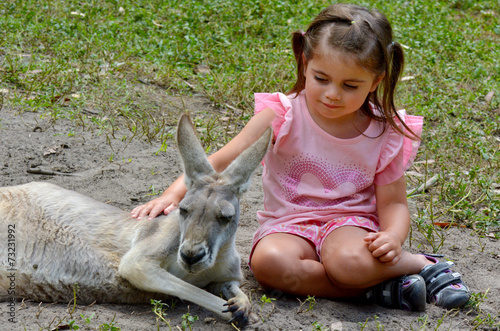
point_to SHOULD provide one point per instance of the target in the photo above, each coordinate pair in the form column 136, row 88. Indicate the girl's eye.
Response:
column 350, row 87
column 320, row 79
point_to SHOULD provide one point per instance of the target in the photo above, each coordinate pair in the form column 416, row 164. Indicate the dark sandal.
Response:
column 444, row 287
column 406, row 292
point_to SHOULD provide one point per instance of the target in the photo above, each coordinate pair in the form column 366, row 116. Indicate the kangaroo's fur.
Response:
column 60, row 238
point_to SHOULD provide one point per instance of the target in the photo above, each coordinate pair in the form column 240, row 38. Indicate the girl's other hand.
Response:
column 384, row 246
column 163, row 204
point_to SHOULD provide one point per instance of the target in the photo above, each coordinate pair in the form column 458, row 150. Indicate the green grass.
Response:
column 105, row 68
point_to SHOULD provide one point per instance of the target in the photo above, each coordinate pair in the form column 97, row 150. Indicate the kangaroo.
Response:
column 52, row 238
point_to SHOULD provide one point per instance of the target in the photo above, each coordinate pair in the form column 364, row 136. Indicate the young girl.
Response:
column 336, row 214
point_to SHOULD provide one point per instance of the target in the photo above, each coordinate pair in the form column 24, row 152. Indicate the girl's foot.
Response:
column 444, row 287
column 405, row 292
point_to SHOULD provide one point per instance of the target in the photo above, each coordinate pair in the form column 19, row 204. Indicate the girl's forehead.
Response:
column 333, row 55
column 334, row 60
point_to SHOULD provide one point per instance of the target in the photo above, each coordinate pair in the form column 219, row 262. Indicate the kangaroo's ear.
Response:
column 239, row 172
column 196, row 164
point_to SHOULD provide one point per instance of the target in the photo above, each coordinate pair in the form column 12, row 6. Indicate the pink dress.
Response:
column 314, row 182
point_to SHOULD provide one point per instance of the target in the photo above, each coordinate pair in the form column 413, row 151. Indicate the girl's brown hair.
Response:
column 366, row 35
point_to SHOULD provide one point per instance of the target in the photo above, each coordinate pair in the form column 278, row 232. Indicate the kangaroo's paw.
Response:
column 241, row 311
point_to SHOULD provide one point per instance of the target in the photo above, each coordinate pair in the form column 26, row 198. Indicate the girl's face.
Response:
column 336, row 87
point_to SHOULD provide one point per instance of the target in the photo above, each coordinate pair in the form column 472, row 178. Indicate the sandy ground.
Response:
column 126, row 174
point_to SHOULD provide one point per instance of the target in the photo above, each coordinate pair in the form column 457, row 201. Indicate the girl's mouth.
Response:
column 330, row 106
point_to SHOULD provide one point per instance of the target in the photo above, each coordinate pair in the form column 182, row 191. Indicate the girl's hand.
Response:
column 163, row 204
column 384, row 246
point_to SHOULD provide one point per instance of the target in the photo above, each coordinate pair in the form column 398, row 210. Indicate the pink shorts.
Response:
column 316, row 231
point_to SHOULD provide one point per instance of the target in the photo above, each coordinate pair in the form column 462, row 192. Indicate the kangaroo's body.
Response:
column 52, row 238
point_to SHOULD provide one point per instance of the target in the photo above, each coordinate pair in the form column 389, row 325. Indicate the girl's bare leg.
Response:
column 349, row 263
column 289, row 263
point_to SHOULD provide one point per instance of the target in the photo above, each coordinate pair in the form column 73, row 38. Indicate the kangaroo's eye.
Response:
column 183, row 212
column 224, row 219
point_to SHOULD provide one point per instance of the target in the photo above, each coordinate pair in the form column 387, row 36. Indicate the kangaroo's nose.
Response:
column 191, row 257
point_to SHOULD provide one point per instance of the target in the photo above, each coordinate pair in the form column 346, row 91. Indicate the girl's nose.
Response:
column 333, row 93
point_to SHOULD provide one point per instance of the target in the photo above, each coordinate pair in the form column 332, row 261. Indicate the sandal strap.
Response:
column 388, row 294
column 439, row 283
column 428, row 274
column 396, row 293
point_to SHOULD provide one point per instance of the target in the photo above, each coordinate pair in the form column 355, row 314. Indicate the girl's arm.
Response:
column 170, row 198
column 394, row 219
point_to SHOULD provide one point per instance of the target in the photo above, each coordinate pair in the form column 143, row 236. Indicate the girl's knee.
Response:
column 265, row 264
column 262, row 258
column 277, row 269
column 274, row 270
column 347, row 267
column 276, row 259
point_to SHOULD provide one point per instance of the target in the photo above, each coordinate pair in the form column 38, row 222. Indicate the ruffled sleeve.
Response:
column 277, row 102
column 399, row 151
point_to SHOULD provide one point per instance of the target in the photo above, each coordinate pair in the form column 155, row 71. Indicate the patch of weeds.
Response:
column 187, row 321
column 422, row 323
column 153, row 191
column 378, row 325
column 481, row 319
column 476, row 299
column 425, row 222
column 75, row 288
column 318, row 326
column 449, row 313
column 209, row 134
column 109, row 326
column 486, row 322
column 311, row 303
column 163, row 147
column 87, row 320
column 159, row 309
column 264, row 300
column 70, row 325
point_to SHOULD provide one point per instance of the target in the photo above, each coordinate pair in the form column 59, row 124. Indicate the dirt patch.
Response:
column 126, row 173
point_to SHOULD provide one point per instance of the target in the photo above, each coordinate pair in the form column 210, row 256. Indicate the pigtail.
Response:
column 395, row 57
column 391, row 62
column 394, row 70
column 298, row 46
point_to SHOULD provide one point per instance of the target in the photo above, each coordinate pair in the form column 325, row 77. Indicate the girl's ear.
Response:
column 377, row 81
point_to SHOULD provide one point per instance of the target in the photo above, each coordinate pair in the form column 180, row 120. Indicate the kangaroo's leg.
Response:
column 146, row 274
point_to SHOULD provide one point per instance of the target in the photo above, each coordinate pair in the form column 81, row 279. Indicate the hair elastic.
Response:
column 353, row 22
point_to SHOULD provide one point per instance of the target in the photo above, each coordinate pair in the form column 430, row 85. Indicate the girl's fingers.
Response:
column 151, row 210
column 169, row 209
column 379, row 252
column 156, row 210
column 376, row 245
column 370, row 237
column 143, row 212
column 391, row 258
column 387, row 255
column 152, row 214
column 136, row 211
